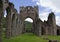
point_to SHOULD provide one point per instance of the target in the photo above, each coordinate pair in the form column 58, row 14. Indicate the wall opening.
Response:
column 58, row 31
column 42, row 31
column 4, row 23
column 28, row 25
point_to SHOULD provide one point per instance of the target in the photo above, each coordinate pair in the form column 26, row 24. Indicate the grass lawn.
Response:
column 30, row 37
column 27, row 37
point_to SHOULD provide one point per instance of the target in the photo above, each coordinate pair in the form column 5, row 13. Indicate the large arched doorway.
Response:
column 31, row 12
column 28, row 25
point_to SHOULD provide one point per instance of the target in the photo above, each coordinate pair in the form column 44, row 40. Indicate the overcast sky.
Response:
column 45, row 7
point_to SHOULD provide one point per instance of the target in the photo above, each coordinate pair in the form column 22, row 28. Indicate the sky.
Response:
column 45, row 7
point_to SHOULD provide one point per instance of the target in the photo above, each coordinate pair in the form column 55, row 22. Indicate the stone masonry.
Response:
column 15, row 21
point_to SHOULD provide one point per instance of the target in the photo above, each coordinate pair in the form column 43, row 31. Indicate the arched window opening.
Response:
column 5, row 13
column 4, row 19
column 4, row 22
column 29, row 20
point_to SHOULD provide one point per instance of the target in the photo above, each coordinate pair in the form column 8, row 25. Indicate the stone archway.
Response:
column 31, row 12
column 30, row 27
column 8, row 23
column 10, row 19
column 5, row 7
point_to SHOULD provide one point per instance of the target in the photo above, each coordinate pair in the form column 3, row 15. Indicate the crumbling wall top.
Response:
column 28, row 7
column 11, row 5
column 51, row 15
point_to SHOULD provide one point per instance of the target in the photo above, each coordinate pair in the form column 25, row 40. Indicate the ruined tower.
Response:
column 52, row 23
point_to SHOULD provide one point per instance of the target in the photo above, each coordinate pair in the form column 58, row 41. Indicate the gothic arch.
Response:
column 11, row 11
column 28, row 17
column 29, row 12
column 8, row 23
column 31, row 24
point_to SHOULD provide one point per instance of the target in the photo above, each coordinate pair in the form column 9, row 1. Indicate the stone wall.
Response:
column 29, row 12
column 15, row 20
column 1, row 17
column 52, row 23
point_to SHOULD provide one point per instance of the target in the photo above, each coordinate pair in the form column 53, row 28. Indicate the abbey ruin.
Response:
column 15, row 21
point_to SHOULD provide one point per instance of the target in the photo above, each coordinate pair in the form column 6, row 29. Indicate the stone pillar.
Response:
column 39, row 29
column 46, row 31
column 23, row 30
column 17, row 26
column 8, row 23
column 13, row 28
column 1, row 17
column 20, row 25
column 34, row 28
column 52, row 23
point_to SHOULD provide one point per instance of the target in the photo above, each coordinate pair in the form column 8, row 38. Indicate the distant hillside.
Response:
column 28, row 26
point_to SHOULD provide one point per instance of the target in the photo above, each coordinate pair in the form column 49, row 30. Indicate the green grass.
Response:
column 27, row 37
column 53, row 37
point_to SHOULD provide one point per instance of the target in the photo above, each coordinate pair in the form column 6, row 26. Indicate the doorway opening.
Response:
column 58, row 31
column 28, row 25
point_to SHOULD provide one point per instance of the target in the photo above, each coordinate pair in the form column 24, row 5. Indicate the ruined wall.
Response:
column 48, row 27
column 52, row 22
column 13, row 24
column 28, row 12
column 1, row 17
column 11, row 19
column 39, row 25
column 15, row 21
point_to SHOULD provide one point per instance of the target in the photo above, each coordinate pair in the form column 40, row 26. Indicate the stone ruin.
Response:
column 15, row 21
